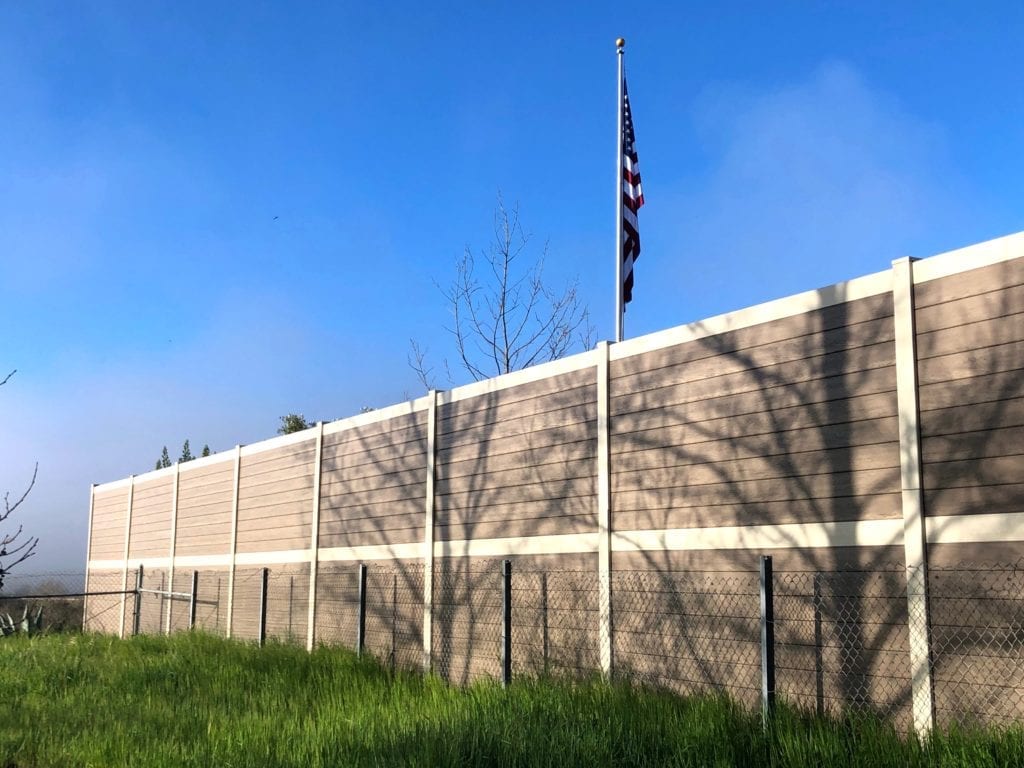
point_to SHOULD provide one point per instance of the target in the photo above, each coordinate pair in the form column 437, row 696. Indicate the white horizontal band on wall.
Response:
column 855, row 533
column 556, row 544
column 966, row 529
column 368, row 552
column 953, row 529
column 199, row 561
column 279, row 557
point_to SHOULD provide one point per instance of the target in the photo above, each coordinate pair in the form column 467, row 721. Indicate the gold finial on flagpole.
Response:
column 620, row 42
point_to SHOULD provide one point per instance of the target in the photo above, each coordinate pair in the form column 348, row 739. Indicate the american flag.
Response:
column 632, row 199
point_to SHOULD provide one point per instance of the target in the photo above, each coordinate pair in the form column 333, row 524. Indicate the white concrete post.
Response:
column 234, row 539
column 127, row 541
column 314, row 559
column 604, row 548
column 428, row 534
column 914, row 542
column 174, row 541
column 88, row 558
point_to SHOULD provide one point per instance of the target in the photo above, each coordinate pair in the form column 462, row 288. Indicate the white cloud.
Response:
column 806, row 185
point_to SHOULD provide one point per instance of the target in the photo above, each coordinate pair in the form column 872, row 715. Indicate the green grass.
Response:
column 194, row 700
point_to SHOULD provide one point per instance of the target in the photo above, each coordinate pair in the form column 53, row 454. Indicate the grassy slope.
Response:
column 193, row 700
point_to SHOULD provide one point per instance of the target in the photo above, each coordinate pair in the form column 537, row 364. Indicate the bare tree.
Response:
column 504, row 316
column 13, row 545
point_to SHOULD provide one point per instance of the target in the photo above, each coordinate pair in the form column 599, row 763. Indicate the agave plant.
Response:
column 29, row 624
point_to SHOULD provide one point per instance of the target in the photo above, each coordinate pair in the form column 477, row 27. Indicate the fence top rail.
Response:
column 161, row 592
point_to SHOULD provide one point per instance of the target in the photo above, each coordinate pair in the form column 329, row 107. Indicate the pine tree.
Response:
column 165, row 459
column 186, row 453
column 206, row 451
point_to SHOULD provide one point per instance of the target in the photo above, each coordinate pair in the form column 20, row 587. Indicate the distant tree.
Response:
column 186, row 455
column 10, row 546
column 165, row 459
column 293, row 422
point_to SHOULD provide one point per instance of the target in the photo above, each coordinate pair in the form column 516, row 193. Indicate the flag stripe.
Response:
column 632, row 199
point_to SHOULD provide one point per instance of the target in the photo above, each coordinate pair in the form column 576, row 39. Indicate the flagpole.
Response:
column 620, row 46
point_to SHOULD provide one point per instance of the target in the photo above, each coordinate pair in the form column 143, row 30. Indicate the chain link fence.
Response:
column 841, row 641
column 977, row 638
column 689, row 631
column 467, row 621
column 841, row 638
column 555, row 621
column 63, row 600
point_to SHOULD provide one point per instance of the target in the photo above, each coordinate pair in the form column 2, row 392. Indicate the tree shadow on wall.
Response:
column 789, row 422
column 780, row 424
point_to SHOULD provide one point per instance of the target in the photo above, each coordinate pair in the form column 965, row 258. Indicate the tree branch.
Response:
column 511, row 319
column 8, row 507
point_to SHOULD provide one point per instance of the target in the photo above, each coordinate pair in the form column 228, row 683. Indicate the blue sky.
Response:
column 213, row 214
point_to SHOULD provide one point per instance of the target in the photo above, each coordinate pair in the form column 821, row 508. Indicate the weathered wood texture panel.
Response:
column 275, row 498
column 970, row 338
column 788, row 421
column 373, row 488
column 152, row 502
column 108, row 519
column 204, row 510
column 519, row 462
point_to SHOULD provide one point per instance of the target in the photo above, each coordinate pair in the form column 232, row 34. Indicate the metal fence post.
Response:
column 544, row 616
column 767, row 640
column 361, row 621
column 819, row 649
column 394, row 620
column 506, row 622
column 192, row 600
column 136, row 620
column 263, row 606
